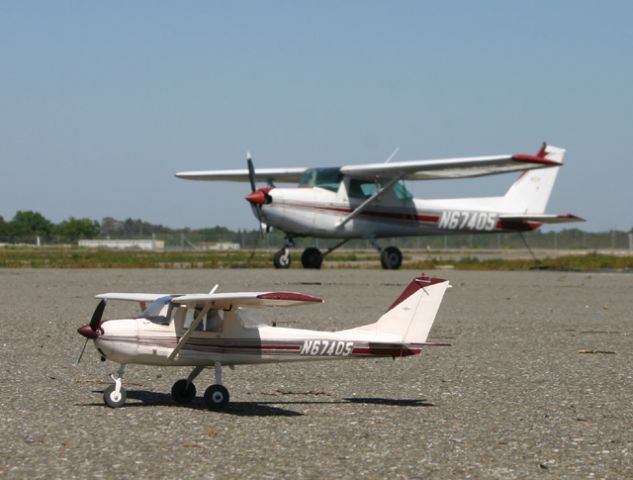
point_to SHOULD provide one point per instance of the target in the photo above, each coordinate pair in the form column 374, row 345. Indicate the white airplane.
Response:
column 219, row 329
column 370, row 201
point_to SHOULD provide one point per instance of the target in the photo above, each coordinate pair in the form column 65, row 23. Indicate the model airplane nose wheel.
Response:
column 115, row 395
column 183, row 391
column 391, row 258
column 216, row 396
column 282, row 258
column 312, row 258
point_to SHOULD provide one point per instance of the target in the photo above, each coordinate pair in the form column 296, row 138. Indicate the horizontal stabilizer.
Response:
column 541, row 218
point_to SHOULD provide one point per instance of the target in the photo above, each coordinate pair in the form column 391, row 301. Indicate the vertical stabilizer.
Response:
column 411, row 316
column 531, row 192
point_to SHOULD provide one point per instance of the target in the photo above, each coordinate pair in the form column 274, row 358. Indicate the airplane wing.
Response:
column 248, row 299
column 134, row 297
column 452, row 167
column 288, row 175
column 541, row 218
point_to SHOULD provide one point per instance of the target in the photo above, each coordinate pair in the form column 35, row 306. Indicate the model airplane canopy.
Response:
column 408, row 170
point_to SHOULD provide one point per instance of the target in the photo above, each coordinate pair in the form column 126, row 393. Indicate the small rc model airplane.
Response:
column 219, row 329
column 370, row 201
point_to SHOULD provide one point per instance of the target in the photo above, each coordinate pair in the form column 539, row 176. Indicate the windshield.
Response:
column 156, row 311
column 328, row 178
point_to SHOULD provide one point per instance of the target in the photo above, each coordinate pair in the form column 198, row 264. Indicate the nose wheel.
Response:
column 115, row 395
column 282, row 258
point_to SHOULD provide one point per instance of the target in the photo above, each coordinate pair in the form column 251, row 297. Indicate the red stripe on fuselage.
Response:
column 371, row 213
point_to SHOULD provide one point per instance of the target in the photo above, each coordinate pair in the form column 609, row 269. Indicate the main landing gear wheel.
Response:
column 282, row 259
column 391, row 258
column 312, row 258
column 114, row 398
column 216, row 397
column 183, row 391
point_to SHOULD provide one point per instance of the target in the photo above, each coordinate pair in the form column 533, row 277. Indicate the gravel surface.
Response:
column 537, row 384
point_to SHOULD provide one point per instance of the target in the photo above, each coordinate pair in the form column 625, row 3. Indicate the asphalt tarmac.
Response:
column 537, row 384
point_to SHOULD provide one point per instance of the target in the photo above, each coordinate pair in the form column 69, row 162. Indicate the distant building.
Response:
column 217, row 246
column 148, row 244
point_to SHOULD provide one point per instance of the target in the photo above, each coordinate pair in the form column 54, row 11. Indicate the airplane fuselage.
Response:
column 318, row 212
column 140, row 341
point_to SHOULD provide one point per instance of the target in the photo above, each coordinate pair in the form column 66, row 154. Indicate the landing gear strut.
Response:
column 115, row 395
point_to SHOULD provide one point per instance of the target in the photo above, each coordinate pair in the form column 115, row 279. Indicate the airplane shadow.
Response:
column 142, row 398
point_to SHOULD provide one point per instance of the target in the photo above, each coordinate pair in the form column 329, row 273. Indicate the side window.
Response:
column 362, row 189
column 212, row 322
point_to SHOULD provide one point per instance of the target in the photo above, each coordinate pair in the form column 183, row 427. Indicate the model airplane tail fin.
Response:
column 411, row 316
column 530, row 193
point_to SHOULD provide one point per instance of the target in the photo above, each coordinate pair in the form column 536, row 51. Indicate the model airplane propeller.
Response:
column 371, row 202
column 218, row 329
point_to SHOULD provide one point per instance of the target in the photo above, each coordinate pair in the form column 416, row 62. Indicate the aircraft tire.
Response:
column 181, row 394
column 112, row 399
column 281, row 260
column 216, row 397
column 312, row 258
column 391, row 258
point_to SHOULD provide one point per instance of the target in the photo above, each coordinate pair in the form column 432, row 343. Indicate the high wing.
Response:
column 247, row 299
column 135, row 297
column 451, row 167
column 287, row 175
column 541, row 218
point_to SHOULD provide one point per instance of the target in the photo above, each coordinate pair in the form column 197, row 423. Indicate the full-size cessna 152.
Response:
column 219, row 329
column 370, row 201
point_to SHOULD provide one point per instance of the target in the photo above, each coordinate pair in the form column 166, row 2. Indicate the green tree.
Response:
column 26, row 225
column 76, row 228
column 3, row 229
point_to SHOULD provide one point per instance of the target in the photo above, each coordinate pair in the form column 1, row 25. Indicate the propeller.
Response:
column 257, row 197
column 91, row 331
column 251, row 171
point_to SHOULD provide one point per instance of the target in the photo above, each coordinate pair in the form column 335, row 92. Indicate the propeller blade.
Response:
column 96, row 316
column 251, row 172
column 81, row 354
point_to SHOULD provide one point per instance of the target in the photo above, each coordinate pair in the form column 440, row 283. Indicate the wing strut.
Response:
column 192, row 328
column 367, row 202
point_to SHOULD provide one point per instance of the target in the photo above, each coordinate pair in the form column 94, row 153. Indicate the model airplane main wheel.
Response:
column 391, row 258
column 216, row 396
column 282, row 259
column 114, row 399
column 183, row 392
column 312, row 258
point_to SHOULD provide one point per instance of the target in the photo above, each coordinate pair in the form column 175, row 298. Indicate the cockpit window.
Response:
column 158, row 311
column 328, row 178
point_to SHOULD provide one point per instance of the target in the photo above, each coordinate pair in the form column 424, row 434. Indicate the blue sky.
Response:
column 102, row 102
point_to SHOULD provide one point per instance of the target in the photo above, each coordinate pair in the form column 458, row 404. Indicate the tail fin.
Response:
column 412, row 314
column 530, row 193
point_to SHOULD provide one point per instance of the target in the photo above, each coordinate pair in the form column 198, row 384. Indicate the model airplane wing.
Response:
column 134, row 297
column 248, row 299
column 541, row 218
column 290, row 175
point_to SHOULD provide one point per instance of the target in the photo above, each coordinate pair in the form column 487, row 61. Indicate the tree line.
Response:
column 27, row 226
